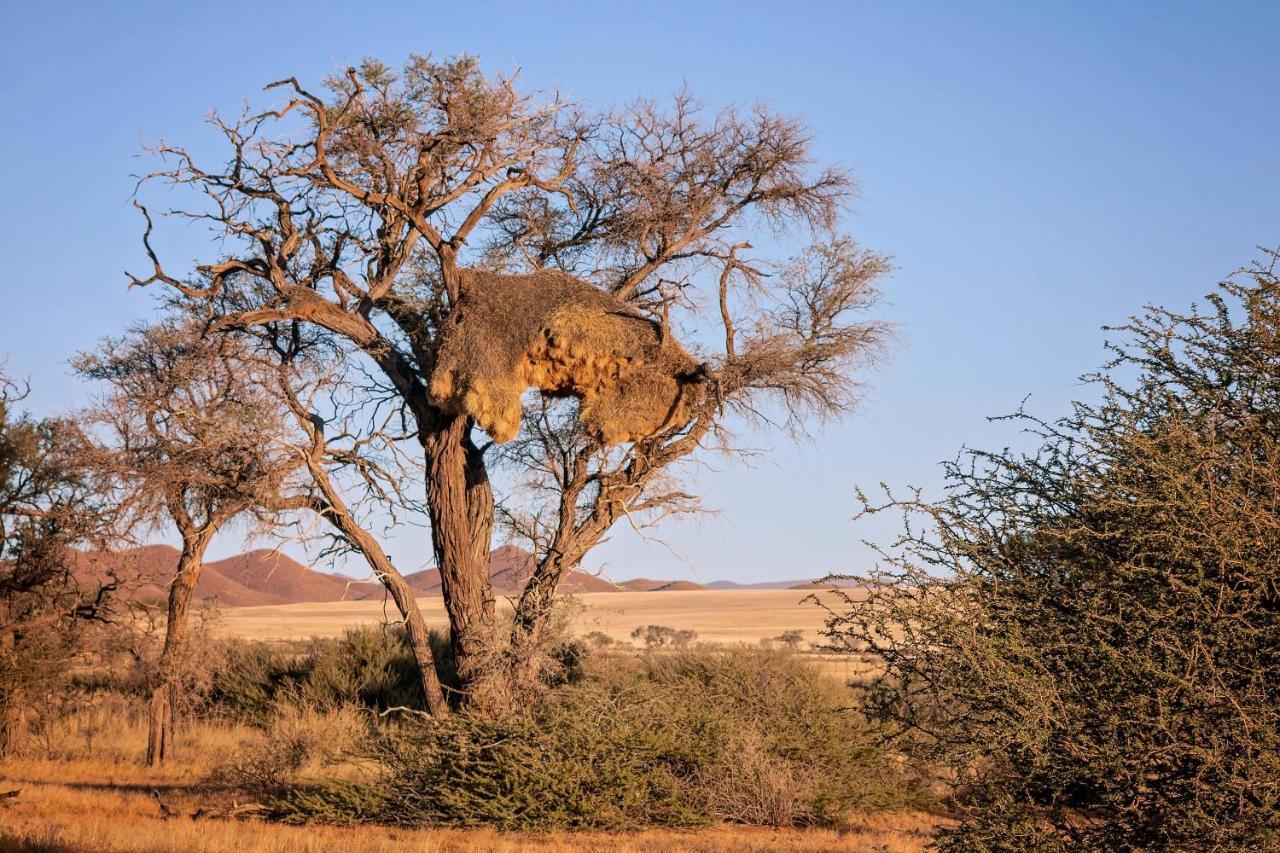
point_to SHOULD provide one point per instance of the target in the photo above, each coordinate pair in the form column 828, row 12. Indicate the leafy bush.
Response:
column 740, row 735
column 251, row 678
column 373, row 667
column 50, row 504
column 1091, row 633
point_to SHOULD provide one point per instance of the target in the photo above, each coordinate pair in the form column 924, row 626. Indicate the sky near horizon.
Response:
column 1036, row 170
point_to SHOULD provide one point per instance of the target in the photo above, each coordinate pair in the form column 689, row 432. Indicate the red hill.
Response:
column 273, row 574
column 269, row 577
column 509, row 569
column 258, row 577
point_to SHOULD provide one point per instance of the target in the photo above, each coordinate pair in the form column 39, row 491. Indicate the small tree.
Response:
column 193, row 438
column 791, row 639
column 661, row 636
column 1090, row 635
column 48, row 505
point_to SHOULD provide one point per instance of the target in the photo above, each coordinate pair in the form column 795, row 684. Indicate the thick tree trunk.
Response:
column 160, row 734
column 460, row 500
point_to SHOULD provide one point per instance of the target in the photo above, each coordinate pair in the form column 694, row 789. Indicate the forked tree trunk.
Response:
column 460, row 501
column 160, row 733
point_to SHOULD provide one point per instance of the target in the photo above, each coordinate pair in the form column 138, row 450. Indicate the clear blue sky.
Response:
column 1036, row 169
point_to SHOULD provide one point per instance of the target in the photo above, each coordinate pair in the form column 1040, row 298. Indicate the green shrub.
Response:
column 373, row 667
column 675, row 740
column 248, row 684
column 1089, row 635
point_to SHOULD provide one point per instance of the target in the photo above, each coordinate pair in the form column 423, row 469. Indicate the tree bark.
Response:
column 460, row 500
column 160, row 734
column 13, row 724
column 419, row 640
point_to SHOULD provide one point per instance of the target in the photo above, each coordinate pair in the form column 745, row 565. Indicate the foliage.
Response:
column 598, row 639
column 1090, row 633
column 372, row 667
column 791, row 638
column 187, row 427
column 678, row 740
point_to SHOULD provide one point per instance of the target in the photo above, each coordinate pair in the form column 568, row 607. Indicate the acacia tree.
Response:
column 356, row 211
column 48, row 505
column 191, row 438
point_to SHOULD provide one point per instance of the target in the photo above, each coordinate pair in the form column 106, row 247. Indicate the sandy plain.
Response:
column 718, row 616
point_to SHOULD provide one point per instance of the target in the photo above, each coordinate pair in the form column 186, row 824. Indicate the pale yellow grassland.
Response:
column 719, row 616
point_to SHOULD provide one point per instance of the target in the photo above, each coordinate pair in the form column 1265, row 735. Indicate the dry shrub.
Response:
column 301, row 738
column 103, row 726
column 1088, row 634
column 550, row 331
column 758, row 787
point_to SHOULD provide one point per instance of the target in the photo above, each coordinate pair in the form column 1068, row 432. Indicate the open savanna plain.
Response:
column 724, row 617
column 718, row 616
column 92, row 791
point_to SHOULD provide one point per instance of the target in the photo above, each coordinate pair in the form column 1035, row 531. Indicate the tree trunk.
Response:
column 460, row 501
column 419, row 641
column 160, row 733
column 13, row 723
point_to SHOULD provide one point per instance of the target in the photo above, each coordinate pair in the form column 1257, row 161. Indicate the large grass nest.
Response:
column 565, row 337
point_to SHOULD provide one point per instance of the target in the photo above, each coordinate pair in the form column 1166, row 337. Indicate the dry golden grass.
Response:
column 83, row 786
column 95, row 794
column 51, row 816
column 719, row 616
column 81, row 806
column 90, row 816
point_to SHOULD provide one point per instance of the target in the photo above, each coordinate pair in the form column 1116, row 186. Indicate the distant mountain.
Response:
column 269, row 577
column 245, row 580
column 807, row 583
column 647, row 585
column 510, row 566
